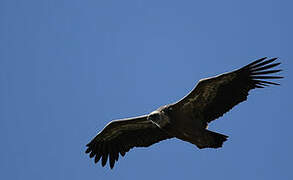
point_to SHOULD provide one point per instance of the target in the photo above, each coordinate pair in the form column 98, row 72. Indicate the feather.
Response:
column 267, row 77
column 253, row 63
column 264, row 63
column 256, row 81
column 98, row 156
column 266, row 67
column 266, row 72
column 104, row 155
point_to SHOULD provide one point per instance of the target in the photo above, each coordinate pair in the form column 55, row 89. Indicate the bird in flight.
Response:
column 186, row 119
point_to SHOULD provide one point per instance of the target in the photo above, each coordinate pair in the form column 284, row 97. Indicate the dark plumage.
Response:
column 186, row 119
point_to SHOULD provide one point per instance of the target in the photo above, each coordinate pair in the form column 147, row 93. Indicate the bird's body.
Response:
column 186, row 119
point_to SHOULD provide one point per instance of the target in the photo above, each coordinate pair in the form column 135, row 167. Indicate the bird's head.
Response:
column 159, row 118
column 154, row 116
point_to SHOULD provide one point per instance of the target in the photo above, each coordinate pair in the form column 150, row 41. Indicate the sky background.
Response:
column 68, row 67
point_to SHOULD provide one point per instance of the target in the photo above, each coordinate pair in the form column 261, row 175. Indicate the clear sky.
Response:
column 68, row 67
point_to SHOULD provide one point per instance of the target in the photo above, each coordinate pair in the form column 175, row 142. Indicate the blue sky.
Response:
column 67, row 68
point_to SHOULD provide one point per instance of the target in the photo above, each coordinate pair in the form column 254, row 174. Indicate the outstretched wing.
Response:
column 120, row 136
column 215, row 96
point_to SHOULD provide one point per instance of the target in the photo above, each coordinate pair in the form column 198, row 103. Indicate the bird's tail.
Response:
column 211, row 139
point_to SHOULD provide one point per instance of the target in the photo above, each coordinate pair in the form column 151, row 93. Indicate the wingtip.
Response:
column 262, row 63
column 254, row 62
column 274, row 58
column 104, row 159
column 104, row 164
column 264, row 58
column 92, row 154
column 96, row 160
column 88, row 150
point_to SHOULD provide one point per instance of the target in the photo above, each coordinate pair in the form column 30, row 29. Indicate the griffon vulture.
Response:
column 186, row 119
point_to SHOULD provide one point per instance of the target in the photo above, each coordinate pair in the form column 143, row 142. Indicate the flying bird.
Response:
column 186, row 119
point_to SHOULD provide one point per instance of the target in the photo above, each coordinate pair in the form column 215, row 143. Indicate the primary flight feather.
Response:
column 186, row 119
